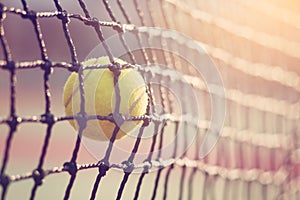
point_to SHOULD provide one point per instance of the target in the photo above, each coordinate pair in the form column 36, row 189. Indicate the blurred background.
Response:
column 256, row 47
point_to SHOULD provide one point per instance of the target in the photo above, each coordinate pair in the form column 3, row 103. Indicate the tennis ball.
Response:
column 100, row 98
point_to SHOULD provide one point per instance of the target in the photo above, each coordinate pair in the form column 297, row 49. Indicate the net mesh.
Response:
column 256, row 49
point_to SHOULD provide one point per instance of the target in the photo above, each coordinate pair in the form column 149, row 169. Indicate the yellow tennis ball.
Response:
column 100, row 98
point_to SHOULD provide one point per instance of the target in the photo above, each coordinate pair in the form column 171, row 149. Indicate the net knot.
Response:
column 146, row 121
column 103, row 168
column 128, row 166
column 147, row 166
column 118, row 27
column 172, row 166
column 13, row 123
column 70, row 167
column 30, row 14
column 92, row 22
column 81, row 119
column 4, row 180
column 117, row 118
column 2, row 12
column 63, row 16
column 38, row 176
column 75, row 67
column 47, row 67
column 48, row 119
column 115, row 68
column 10, row 65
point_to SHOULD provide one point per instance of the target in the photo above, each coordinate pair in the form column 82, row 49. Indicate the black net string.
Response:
column 48, row 118
column 229, row 59
column 212, row 173
column 12, row 122
column 70, row 166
